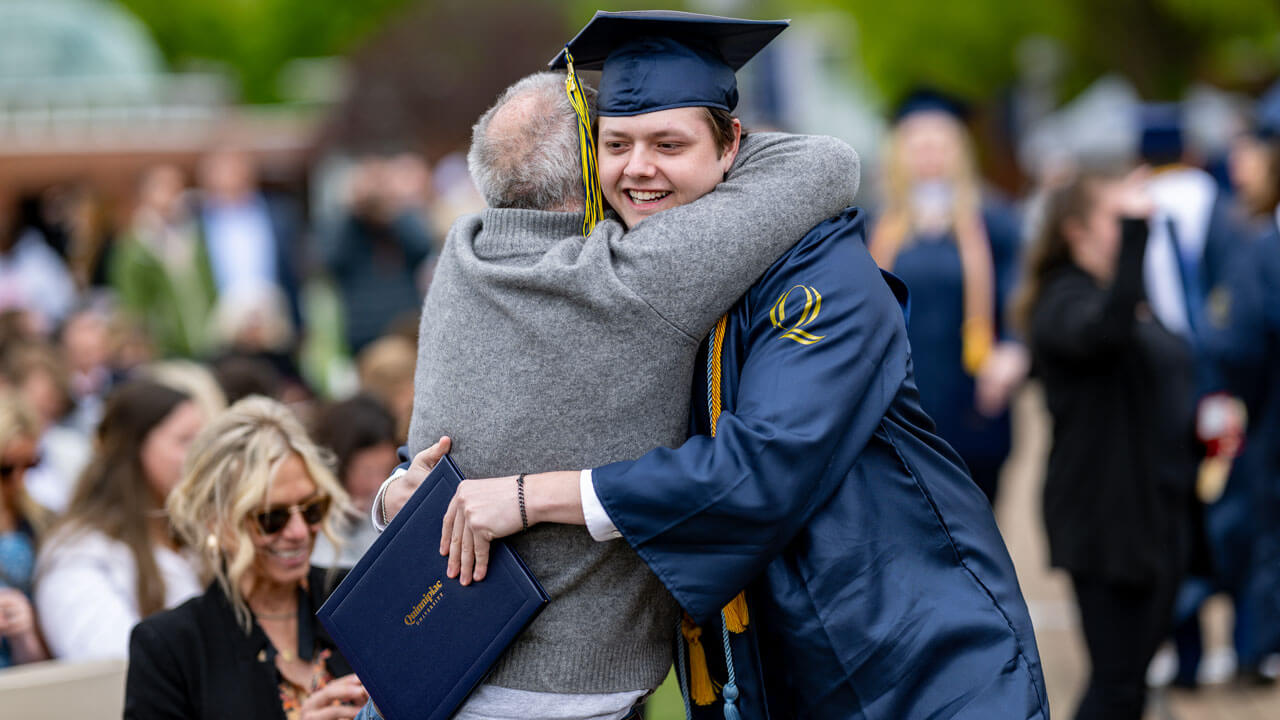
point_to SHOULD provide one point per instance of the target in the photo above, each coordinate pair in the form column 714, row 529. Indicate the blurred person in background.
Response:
column 113, row 558
column 190, row 378
column 959, row 256
column 160, row 269
column 361, row 432
column 1194, row 231
column 1254, row 162
column 241, row 376
column 454, row 192
column 378, row 243
column 1119, row 387
column 1243, row 337
column 251, row 240
column 254, row 323
column 33, row 277
column 385, row 369
column 85, row 344
column 21, row 523
column 39, row 375
column 254, row 494
column 129, row 345
column 71, row 217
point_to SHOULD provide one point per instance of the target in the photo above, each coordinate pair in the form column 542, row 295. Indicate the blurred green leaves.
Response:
column 256, row 38
column 970, row 47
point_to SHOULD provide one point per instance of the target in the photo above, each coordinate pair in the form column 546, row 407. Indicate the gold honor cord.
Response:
column 587, row 149
column 702, row 690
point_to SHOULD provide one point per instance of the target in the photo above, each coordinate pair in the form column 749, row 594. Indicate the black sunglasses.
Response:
column 8, row 470
column 274, row 520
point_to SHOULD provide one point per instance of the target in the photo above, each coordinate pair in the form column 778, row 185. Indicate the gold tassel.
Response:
column 736, row 616
column 977, row 340
column 592, row 195
column 701, row 691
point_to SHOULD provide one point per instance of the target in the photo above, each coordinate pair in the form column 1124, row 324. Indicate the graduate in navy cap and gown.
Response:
column 833, row 556
column 1242, row 334
column 1194, row 234
column 958, row 252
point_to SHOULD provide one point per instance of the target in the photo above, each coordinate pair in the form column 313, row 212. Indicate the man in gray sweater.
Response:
column 525, row 314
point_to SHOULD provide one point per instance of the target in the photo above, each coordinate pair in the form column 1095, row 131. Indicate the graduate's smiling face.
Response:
column 660, row 160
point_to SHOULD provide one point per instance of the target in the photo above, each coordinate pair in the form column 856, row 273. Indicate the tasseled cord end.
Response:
column 730, row 703
column 701, row 691
column 736, row 616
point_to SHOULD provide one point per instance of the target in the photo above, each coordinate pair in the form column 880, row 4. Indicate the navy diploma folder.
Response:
column 418, row 640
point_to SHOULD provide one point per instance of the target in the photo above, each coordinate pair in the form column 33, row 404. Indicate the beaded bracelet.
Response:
column 524, row 517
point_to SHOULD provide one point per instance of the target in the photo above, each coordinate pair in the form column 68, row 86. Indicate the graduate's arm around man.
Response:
column 825, row 355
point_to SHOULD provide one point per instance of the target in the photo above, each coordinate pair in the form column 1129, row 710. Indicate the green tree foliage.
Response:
column 256, row 38
column 969, row 47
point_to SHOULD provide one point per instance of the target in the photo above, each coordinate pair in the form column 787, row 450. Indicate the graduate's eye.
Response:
column 615, row 146
column 669, row 147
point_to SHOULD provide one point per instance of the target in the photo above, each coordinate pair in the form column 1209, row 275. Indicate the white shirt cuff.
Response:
column 378, row 500
column 598, row 522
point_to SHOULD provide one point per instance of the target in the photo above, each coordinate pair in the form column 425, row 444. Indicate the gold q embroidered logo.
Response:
column 795, row 331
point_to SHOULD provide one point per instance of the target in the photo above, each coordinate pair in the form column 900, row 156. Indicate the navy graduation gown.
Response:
column 930, row 265
column 878, row 583
column 1243, row 337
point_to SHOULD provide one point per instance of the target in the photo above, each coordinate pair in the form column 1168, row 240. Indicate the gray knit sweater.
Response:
column 543, row 350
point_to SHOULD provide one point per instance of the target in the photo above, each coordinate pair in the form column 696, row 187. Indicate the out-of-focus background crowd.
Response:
column 237, row 198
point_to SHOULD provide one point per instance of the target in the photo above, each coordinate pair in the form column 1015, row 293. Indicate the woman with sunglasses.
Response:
column 21, row 520
column 254, row 493
column 113, row 558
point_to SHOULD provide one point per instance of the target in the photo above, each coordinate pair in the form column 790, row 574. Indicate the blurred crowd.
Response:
column 1145, row 303
column 118, row 345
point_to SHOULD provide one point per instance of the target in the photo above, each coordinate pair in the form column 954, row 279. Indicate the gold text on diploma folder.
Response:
column 430, row 599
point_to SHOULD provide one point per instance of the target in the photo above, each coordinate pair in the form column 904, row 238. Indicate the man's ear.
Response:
column 726, row 160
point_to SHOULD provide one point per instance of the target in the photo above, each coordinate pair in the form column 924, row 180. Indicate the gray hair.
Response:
column 524, row 150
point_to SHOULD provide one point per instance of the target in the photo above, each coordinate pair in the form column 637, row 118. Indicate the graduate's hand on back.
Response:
column 399, row 492
column 481, row 511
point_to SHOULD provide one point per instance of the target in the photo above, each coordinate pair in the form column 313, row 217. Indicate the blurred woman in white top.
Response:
column 114, row 559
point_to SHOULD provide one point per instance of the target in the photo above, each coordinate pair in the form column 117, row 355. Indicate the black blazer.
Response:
column 1120, row 388
column 195, row 661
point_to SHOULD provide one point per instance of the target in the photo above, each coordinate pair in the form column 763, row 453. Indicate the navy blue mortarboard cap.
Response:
column 1266, row 122
column 661, row 59
column 930, row 100
column 1161, row 139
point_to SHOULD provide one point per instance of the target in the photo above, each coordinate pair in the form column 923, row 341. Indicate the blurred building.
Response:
column 85, row 97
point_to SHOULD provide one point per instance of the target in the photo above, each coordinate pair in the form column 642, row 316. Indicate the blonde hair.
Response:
column 226, row 479
column 191, row 378
column 384, row 364
column 896, row 225
column 18, row 420
column 897, row 229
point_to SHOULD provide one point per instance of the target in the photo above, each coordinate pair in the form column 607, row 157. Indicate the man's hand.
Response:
column 484, row 510
column 399, row 492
